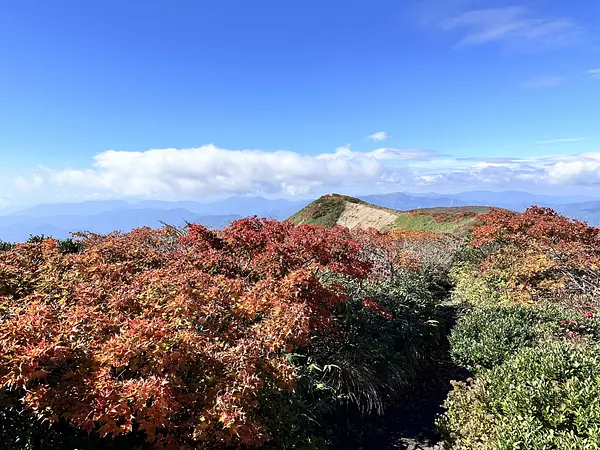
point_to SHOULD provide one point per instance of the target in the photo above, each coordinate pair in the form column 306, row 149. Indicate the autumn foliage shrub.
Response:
column 435, row 252
column 530, row 335
column 415, row 235
column 206, row 339
column 539, row 255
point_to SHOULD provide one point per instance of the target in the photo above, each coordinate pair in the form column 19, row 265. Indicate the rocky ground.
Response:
column 356, row 215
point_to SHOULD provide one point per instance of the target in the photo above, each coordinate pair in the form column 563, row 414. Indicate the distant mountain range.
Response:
column 515, row 200
column 59, row 220
column 242, row 206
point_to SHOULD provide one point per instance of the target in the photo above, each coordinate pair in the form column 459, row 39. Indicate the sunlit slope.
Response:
column 351, row 212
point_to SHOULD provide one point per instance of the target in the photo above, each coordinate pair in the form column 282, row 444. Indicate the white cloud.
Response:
column 582, row 172
column 553, row 141
column 595, row 73
column 567, row 170
column 514, row 26
column 209, row 171
column 379, row 136
column 379, row 154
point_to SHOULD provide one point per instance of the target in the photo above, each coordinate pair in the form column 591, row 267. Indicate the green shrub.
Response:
column 6, row 246
column 372, row 363
column 544, row 397
column 394, row 343
column 467, row 423
column 471, row 288
column 484, row 338
column 69, row 246
column 37, row 238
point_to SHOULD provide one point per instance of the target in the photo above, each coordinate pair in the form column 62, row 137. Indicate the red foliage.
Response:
column 415, row 236
column 387, row 253
column 176, row 336
column 535, row 223
column 539, row 253
column 377, row 307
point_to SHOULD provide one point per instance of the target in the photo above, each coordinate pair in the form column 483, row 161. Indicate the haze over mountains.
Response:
column 59, row 220
column 104, row 216
column 515, row 200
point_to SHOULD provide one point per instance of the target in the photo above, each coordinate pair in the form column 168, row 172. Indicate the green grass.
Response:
column 439, row 220
column 324, row 211
column 450, row 210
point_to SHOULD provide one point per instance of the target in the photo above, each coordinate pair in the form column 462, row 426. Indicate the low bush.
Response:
column 470, row 288
column 485, row 337
column 540, row 256
column 387, row 336
column 529, row 283
column 543, row 397
column 391, row 329
column 246, row 337
column 5, row 246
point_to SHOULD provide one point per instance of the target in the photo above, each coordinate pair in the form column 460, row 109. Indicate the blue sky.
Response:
column 196, row 99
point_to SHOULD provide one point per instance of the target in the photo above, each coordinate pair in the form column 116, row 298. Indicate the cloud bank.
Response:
column 209, row 171
column 212, row 171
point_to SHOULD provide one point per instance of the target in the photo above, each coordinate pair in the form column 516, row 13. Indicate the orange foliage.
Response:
column 175, row 336
column 540, row 254
column 416, row 236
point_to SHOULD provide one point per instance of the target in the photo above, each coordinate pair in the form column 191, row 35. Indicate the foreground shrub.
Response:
column 389, row 332
column 484, row 338
column 474, row 290
column 207, row 339
column 24, row 430
column 540, row 256
column 387, row 335
column 544, row 397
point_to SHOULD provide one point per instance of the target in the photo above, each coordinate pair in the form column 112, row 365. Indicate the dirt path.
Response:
column 412, row 426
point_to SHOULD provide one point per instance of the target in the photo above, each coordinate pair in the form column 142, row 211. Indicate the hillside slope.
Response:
column 351, row 212
column 453, row 219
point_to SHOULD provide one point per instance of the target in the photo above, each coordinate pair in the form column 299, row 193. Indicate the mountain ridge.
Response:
column 45, row 218
column 335, row 209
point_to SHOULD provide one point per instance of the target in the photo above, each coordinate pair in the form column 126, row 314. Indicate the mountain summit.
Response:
column 336, row 209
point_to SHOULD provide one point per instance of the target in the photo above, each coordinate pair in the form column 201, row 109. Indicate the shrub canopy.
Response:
column 200, row 338
column 174, row 336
